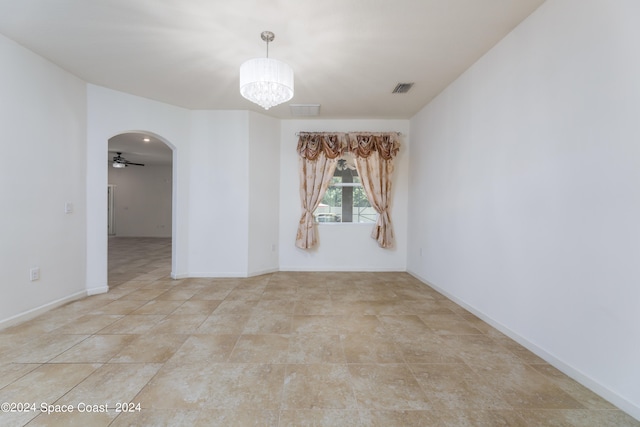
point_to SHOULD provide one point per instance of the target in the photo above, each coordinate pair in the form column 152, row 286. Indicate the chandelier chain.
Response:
column 267, row 36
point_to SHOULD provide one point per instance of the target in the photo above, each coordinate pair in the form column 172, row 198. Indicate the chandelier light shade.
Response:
column 265, row 81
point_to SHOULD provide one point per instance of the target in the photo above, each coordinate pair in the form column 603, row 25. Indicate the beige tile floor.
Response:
column 284, row 349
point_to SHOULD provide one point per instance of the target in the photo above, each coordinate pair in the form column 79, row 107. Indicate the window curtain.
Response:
column 318, row 157
column 374, row 153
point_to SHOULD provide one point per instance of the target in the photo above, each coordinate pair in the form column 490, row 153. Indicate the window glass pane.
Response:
column 345, row 199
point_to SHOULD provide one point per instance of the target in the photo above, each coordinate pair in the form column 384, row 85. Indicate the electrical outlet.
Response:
column 34, row 273
column 273, row 247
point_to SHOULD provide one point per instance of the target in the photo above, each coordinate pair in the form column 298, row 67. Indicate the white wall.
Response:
column 111, row 113
column 142, row 200
column 218, row 196
column 341, row 247
column 264, row 193
column 42, row 128
column 525, row 191
column 233, row 201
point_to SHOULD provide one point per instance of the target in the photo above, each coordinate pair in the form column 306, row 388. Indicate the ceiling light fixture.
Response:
column 265, row 81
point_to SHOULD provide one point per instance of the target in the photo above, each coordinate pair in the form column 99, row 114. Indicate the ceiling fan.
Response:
column 121, row 162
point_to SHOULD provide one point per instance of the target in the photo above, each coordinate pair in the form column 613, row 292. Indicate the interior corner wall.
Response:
column 525, row 191
column 42, row 127
column 264, row 193
column 341, row 247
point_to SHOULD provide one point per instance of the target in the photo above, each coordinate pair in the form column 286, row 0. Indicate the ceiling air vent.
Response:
column 402, row 87
column 304, row 109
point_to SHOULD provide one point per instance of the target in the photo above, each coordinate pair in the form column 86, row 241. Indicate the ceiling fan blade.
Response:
column 122, row 160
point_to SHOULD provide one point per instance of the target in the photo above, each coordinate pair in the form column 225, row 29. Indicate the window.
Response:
column 345, row 199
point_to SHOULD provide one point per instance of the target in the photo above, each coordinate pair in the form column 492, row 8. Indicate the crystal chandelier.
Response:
column 265, row 81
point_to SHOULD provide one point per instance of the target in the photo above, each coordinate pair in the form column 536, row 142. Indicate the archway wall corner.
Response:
column 111, row 113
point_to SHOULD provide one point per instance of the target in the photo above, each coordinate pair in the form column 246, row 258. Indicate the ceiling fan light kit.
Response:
column 265, row 81
column 120, row 162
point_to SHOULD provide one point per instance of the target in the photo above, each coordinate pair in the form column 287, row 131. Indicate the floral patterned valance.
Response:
column 363, row 144
column 360, row 144
column 310, row 145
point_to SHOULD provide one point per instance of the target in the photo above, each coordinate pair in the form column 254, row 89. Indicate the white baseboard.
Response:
column 97, row 290
column 261, row 272
column 34, row 312
column 562, row 366
column 345, row 269
column 219, row 275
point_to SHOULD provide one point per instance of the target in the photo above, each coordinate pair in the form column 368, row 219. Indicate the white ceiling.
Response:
column 347, row 55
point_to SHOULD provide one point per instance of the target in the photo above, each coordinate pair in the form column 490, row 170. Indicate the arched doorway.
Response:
column 140, row 208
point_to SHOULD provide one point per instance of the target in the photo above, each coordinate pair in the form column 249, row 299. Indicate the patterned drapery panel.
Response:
column 319, row 154
column 374, row 153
